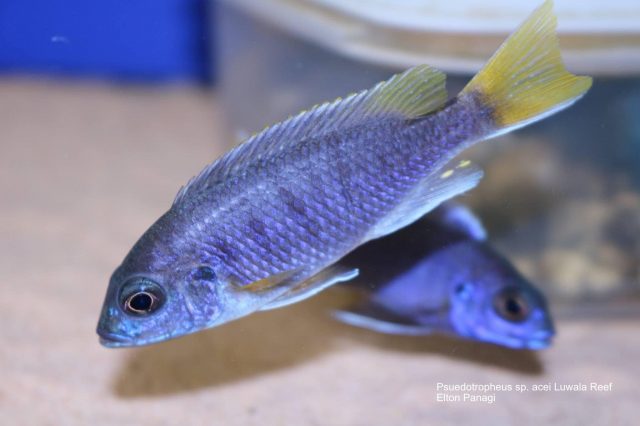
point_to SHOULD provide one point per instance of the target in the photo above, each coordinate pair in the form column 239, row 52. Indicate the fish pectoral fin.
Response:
column 459, row 218
column 377, row 318
column 270, row 283
column 312, row 286
column 443, row 184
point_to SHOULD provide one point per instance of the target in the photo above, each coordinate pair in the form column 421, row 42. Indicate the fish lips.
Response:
column 540, row 340
column 113, row 340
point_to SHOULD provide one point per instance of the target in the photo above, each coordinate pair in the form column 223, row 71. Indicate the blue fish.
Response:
column 263, row 226
column 440, row 275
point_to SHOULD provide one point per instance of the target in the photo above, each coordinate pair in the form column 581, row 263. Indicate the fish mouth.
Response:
column 540, row 340
column 113, row 340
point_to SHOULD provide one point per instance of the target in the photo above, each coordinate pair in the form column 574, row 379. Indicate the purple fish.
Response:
column 262, row 226
column 440, row 275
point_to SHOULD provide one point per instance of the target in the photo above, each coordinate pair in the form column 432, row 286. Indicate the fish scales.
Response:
column 379, row 164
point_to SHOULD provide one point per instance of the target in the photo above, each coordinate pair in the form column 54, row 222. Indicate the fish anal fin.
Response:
column 443, row 184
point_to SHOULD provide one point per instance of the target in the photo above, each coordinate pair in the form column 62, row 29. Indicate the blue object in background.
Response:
column 138, row 40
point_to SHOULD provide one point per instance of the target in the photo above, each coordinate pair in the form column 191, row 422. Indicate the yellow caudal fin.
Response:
column 525, row 80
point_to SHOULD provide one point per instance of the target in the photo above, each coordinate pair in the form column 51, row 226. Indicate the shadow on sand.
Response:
column 270, row 341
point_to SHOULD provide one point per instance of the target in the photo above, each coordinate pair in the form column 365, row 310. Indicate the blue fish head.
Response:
column 491, row 302
column 143, row 308
column 161, row 291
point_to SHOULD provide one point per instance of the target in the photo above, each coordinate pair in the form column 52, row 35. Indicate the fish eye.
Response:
column 141, row 297
column 141, row 302
column 511, row 306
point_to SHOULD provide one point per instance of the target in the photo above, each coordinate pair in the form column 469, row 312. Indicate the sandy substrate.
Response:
column 85, row 169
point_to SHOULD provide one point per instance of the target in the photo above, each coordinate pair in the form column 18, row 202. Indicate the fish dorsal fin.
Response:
column 439, row 186
column 460, row 218
column 413, row 93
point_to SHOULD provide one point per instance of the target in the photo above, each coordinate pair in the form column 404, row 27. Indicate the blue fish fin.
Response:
column 268, row 284
column 443, row 184
column 379, row 319
column 460, row 218
column 312, row 286
column 413, row 93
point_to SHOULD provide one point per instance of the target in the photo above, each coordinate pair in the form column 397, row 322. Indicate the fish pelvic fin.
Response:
column 378, row 319
column 413, row 93
column 526, row 80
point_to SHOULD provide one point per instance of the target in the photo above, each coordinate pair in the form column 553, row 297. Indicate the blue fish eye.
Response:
column 204, row 273
column 511, row 306
column 141, row 297
column 141, row 301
